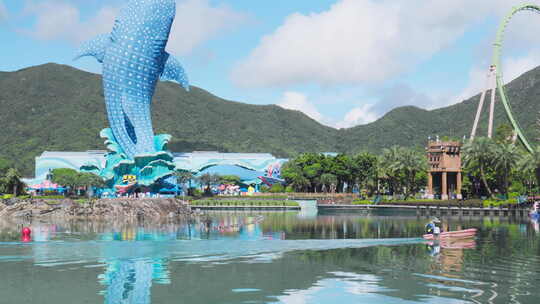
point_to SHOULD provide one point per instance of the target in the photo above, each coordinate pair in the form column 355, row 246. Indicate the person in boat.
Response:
column 433, row 226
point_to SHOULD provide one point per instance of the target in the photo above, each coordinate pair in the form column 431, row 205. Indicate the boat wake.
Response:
column 58, row 253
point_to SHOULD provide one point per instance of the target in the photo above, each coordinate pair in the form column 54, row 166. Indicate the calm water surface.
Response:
column 270, row 258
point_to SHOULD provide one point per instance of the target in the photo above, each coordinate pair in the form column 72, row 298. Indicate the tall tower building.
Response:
column 444, row 173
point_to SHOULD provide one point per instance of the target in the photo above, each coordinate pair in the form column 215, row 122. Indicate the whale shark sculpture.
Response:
column 134, row 59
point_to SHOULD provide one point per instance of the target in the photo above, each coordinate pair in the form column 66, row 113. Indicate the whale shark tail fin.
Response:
column 95, row 47
column 173, row 70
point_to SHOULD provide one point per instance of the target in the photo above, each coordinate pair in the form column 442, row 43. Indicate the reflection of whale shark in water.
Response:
column 130, row 281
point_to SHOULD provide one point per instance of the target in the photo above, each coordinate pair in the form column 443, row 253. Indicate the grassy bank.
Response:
column 453, row 203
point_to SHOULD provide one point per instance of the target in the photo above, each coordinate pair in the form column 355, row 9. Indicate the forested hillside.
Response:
column 57, row 107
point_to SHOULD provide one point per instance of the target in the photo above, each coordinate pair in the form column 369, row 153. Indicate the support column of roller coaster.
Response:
column 496, row 64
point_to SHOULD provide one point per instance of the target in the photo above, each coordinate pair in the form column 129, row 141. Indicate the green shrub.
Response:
column 512, row 195
column 496, row 203
column 362, row 202
column 516, row 188
column 277, row 188
column 289, row 189
column 196, row 192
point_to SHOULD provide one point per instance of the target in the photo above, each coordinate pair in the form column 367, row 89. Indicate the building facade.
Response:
column 444, row 173
column 248, row 166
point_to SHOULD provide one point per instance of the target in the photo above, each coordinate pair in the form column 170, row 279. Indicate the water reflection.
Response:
column 275, row 257
column 130, row 281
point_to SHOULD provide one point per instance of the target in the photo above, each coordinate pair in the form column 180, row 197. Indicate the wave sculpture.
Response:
column 134, row 59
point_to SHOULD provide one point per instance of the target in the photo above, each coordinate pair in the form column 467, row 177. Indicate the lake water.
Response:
column 280, row 257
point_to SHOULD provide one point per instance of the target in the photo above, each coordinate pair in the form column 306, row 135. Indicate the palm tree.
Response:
column 410, row 162
column 530, row 164
column 390, row 164
column 294, row 175
column 13, row 179
column 328, row 179
column 313, row 173
column 506, row 158
column 381, row 175
column 297, row 180
column 300, row 182
column 365, row 169
column 400, row 166
column 479, row 153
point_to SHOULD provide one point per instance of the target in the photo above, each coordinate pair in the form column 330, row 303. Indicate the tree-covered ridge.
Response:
column 58, row 108
column 411, row 126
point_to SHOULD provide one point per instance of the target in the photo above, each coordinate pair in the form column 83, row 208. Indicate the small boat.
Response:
column 467, row 243
column 459, row 234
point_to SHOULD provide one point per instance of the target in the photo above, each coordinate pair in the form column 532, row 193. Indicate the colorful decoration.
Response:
column 46, row 185
column 273, row 174
column 274, row 170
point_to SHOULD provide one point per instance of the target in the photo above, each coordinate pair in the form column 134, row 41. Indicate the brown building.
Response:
column 444, row 174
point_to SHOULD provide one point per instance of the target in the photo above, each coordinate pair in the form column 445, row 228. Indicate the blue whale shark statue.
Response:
column 134, row 59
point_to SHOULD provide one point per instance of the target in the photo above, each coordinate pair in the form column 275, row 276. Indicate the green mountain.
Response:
column 411, row 126
column 57, row 107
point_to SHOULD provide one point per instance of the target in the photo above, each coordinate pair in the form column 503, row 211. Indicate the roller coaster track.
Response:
column 496, row 62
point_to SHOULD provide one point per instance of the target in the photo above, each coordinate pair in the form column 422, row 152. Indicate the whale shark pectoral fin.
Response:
column 95, row 47
column 173, row 70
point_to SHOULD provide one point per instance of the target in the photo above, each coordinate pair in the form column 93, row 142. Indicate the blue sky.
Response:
column 342, row 62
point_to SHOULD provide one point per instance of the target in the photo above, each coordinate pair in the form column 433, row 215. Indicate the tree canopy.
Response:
column 74, row 180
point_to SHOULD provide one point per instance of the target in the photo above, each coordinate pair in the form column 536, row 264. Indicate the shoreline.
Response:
column 148, row 208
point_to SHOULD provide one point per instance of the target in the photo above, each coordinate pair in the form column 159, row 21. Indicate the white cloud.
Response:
column 513, row 67
column 362, row 114
column 58, row 20
column 3, row 11
column 358, row 116
column 355, row 41
column 362, row 41
column 302, row 296
column 196, row 22
column 303, row 50
column 299, row 102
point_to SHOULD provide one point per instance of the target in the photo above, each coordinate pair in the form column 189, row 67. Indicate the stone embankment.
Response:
column 99, row 209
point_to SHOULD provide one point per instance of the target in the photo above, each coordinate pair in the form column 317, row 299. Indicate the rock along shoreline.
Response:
column 95, row 209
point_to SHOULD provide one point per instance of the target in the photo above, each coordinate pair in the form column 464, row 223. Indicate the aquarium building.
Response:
column 252, row 168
